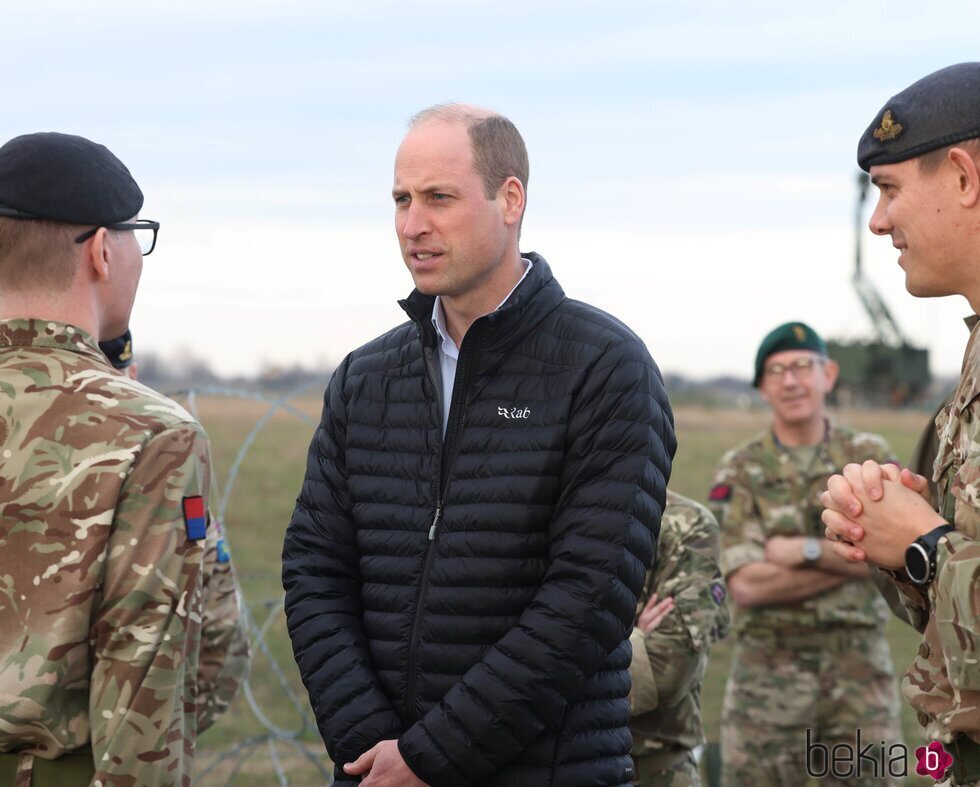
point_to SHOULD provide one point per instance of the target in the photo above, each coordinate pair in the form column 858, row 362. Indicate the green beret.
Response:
column 788, row 336
column 938, row 110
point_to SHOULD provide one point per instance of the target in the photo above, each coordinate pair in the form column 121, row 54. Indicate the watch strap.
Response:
column 926, row 546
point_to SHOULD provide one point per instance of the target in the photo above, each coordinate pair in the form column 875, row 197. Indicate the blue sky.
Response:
column 692, row 164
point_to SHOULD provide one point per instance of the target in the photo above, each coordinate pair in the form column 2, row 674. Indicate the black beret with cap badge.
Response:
column 939, row 110
column 65, row 178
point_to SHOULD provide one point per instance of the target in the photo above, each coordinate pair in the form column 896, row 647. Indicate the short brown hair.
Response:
column 929, row 162
column 499, row 151
column 37, row 253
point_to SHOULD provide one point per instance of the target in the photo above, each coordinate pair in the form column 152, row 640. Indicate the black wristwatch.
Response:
column 920, row 556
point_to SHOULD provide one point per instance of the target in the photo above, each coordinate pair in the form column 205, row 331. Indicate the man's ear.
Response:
column 831, row 371
column 967, row 175
column 512, row 193
column 95, row 255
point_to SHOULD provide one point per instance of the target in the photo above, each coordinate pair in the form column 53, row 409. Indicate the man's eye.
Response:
column 440, row 197
column 401, row 199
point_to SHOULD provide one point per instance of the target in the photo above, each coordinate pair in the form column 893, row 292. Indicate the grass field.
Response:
column 260, row 505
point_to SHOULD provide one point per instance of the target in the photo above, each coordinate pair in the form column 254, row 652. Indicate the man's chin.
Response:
column 428, row 284
column 921, row 289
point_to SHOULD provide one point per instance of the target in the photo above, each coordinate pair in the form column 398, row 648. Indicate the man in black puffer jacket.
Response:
column 482, row 500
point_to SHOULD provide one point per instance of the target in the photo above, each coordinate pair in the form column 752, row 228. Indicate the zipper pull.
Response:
column 435, row 523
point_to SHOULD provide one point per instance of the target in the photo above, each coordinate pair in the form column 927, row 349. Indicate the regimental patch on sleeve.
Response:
column 718, row 593
column 720, row 493
column 195, row 518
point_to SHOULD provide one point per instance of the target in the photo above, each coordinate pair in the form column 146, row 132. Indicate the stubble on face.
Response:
column 919, row 211
column 453, row 239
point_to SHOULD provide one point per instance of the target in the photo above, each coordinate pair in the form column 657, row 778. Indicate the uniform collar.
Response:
column 826, row 436
column 49, row 333
column 825, row 456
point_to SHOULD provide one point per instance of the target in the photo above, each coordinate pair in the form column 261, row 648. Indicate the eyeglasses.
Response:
column 145, row 230
column 801, row 368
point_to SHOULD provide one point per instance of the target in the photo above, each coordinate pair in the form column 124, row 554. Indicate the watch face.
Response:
column 917, row 563
column 812, row 550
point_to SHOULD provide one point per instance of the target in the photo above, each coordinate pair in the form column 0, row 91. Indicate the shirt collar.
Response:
column 48, row 333
column 439, row 316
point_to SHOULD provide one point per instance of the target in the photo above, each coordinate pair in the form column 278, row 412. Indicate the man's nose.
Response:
column 879, row 223
column 416, row 221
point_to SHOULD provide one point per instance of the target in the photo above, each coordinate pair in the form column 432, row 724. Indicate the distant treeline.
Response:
column 168, row 374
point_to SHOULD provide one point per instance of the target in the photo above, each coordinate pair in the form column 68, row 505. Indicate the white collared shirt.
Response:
column 449, row 352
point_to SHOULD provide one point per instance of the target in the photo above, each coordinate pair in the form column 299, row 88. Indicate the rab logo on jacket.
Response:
column 514, row 412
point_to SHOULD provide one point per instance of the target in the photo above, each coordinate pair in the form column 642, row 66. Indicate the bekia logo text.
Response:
column 514, row 412
column 878, row 760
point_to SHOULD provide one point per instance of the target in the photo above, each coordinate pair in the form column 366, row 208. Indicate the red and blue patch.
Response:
column 720, row 493
column 195, row 518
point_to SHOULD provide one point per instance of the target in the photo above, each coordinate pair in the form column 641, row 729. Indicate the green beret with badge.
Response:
column 788, row 336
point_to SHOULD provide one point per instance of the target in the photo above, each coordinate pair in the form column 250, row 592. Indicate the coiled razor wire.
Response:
column 268, row 610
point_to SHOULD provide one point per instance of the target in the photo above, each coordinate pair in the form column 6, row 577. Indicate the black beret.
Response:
column 788, row 336
column 938, row 110
column 65, row 178
column 119, row 351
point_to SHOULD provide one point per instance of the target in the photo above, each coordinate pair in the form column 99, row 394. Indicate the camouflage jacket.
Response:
column 108, row 572
column 669, row 662
column 943, row 683
column 759, row 492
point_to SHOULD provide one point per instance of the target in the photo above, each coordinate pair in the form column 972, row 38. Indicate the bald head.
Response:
column 498, row 148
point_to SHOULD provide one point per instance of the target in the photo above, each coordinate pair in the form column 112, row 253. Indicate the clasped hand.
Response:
column 874, row 511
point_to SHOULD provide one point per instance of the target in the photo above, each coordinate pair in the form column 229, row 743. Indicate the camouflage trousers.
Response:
column 649, row 771
column 789, row 697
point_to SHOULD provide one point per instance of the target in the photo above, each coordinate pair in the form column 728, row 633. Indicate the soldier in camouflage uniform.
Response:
column 119, row 631
column 923, row 152
column 811, row 662
column 681, row 612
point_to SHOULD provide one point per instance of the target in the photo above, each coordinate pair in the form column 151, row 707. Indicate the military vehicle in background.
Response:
column 885, row 370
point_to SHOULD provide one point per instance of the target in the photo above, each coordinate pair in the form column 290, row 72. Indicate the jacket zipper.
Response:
column 454, row 429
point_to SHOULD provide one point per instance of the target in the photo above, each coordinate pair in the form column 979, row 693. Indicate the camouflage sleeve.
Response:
column 224, row 637
column 955, row 592
column 955, row 597
column 743, row 538
column 904, row 599
column 674, row 655
column 146, row 624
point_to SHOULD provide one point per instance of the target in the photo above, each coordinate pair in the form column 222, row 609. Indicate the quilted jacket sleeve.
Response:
column 602, row 539
column 323, row 613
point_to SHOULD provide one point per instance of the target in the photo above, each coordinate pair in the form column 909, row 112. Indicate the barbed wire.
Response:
column 259, row 616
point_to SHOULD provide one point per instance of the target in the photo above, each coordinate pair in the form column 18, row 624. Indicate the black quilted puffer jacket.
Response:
column 472, row 595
